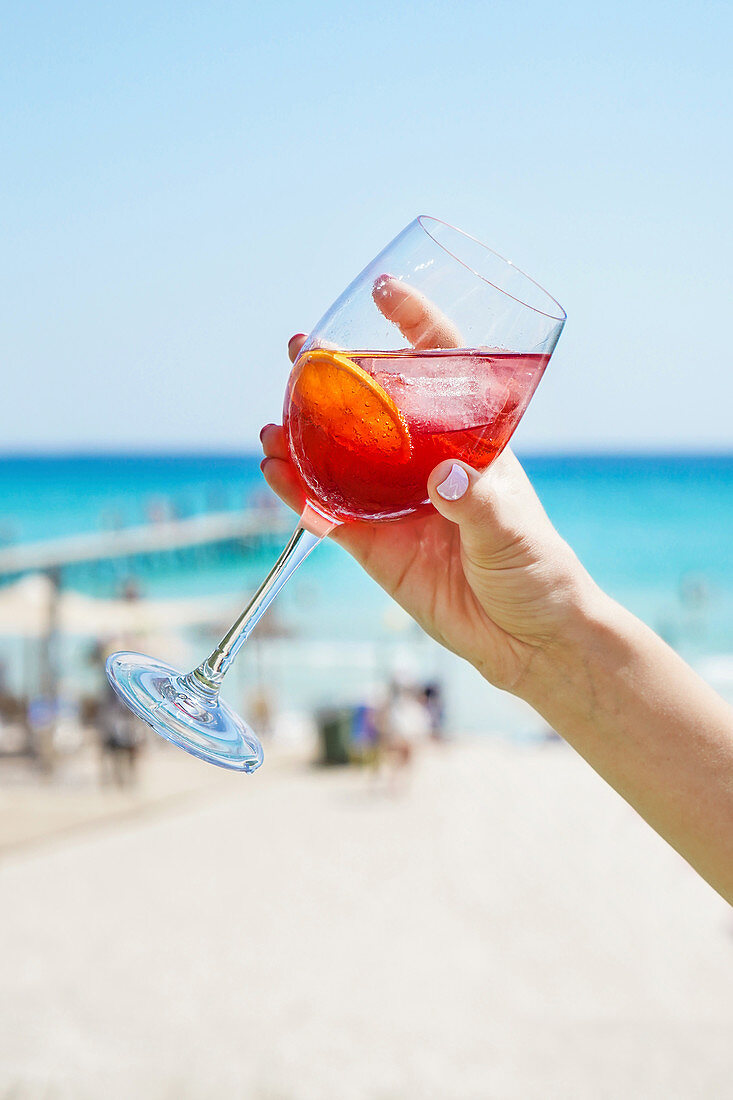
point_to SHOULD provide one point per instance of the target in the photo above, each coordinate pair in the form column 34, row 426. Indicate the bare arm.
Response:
column 487, row 575
column 648, row 724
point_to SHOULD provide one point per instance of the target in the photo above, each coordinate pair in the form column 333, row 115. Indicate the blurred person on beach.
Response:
column 260, row 708
column 432, row 699
column 485, row 573
column 120, row 741
column 13, row 708
column 403, row 723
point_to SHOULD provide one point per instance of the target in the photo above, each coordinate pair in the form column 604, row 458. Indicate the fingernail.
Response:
column 455, row 484
column 381, row 284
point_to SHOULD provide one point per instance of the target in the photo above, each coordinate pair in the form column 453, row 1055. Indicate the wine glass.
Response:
column 433, row 352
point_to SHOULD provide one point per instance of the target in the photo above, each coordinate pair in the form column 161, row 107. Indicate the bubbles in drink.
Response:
column 452, row 391
column 440, row 404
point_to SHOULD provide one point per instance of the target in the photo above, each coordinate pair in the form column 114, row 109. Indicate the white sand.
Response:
column 507, row 929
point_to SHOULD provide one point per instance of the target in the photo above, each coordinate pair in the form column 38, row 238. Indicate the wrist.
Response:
column 562, row 675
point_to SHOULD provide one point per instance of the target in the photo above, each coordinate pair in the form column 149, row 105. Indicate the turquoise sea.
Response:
column 656, row 531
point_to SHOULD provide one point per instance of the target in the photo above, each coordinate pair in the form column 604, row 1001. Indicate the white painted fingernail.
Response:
column 455, row 484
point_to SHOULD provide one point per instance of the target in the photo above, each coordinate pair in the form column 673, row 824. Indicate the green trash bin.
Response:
column 334, row 733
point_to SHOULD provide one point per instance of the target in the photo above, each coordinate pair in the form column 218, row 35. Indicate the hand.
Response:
column 486, row 574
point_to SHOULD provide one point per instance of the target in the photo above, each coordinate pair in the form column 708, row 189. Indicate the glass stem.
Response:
column 208, row 676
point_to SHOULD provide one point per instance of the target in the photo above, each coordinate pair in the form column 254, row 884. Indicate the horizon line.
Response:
column 247, row 452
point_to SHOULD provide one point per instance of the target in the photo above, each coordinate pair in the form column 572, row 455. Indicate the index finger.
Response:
column 418, row 319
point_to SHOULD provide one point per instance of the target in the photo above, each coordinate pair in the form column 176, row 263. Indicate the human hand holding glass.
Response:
column 446, row 345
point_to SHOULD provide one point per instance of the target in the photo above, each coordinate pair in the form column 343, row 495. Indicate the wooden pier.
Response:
column 247, row 529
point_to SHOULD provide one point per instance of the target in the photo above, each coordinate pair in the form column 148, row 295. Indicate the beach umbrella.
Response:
column 90, row 615
column 27, row 610
column 27, row 607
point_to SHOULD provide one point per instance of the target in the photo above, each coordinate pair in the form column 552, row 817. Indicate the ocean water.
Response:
column 45, row 497
column 656, row 532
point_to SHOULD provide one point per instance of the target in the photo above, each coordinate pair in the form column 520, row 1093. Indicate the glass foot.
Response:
column 193, row 719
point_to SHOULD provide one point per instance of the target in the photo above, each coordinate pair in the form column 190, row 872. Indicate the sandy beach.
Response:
column 506, row 927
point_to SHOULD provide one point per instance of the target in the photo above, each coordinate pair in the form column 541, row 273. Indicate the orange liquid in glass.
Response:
column 363, row 447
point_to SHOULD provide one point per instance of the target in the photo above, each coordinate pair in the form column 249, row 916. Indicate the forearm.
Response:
column 649, row 725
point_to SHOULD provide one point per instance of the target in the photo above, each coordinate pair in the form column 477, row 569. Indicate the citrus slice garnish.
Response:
column 335, row 394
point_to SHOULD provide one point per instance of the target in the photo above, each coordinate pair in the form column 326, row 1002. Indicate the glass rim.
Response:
column 424, row 219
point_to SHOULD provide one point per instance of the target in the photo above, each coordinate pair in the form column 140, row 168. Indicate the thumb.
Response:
column 458, row 492
column 493, row 508
column 452, row 490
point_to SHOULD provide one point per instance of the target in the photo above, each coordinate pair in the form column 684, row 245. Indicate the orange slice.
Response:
column 335, row 394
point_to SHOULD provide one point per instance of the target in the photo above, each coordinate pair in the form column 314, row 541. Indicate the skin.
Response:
column 488, row 577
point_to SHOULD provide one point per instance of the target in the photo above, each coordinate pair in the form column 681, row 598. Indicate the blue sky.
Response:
column 185, row 185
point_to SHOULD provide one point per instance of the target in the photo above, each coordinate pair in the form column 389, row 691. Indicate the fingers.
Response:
column 295, row 343
column 274, row 444
column 417, row 318
column 280, row 476
column 276, row 466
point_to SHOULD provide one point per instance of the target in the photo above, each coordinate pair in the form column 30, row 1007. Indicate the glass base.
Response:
column 192, row 718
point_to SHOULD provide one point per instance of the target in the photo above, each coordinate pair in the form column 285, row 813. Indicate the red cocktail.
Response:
column 366, row 428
